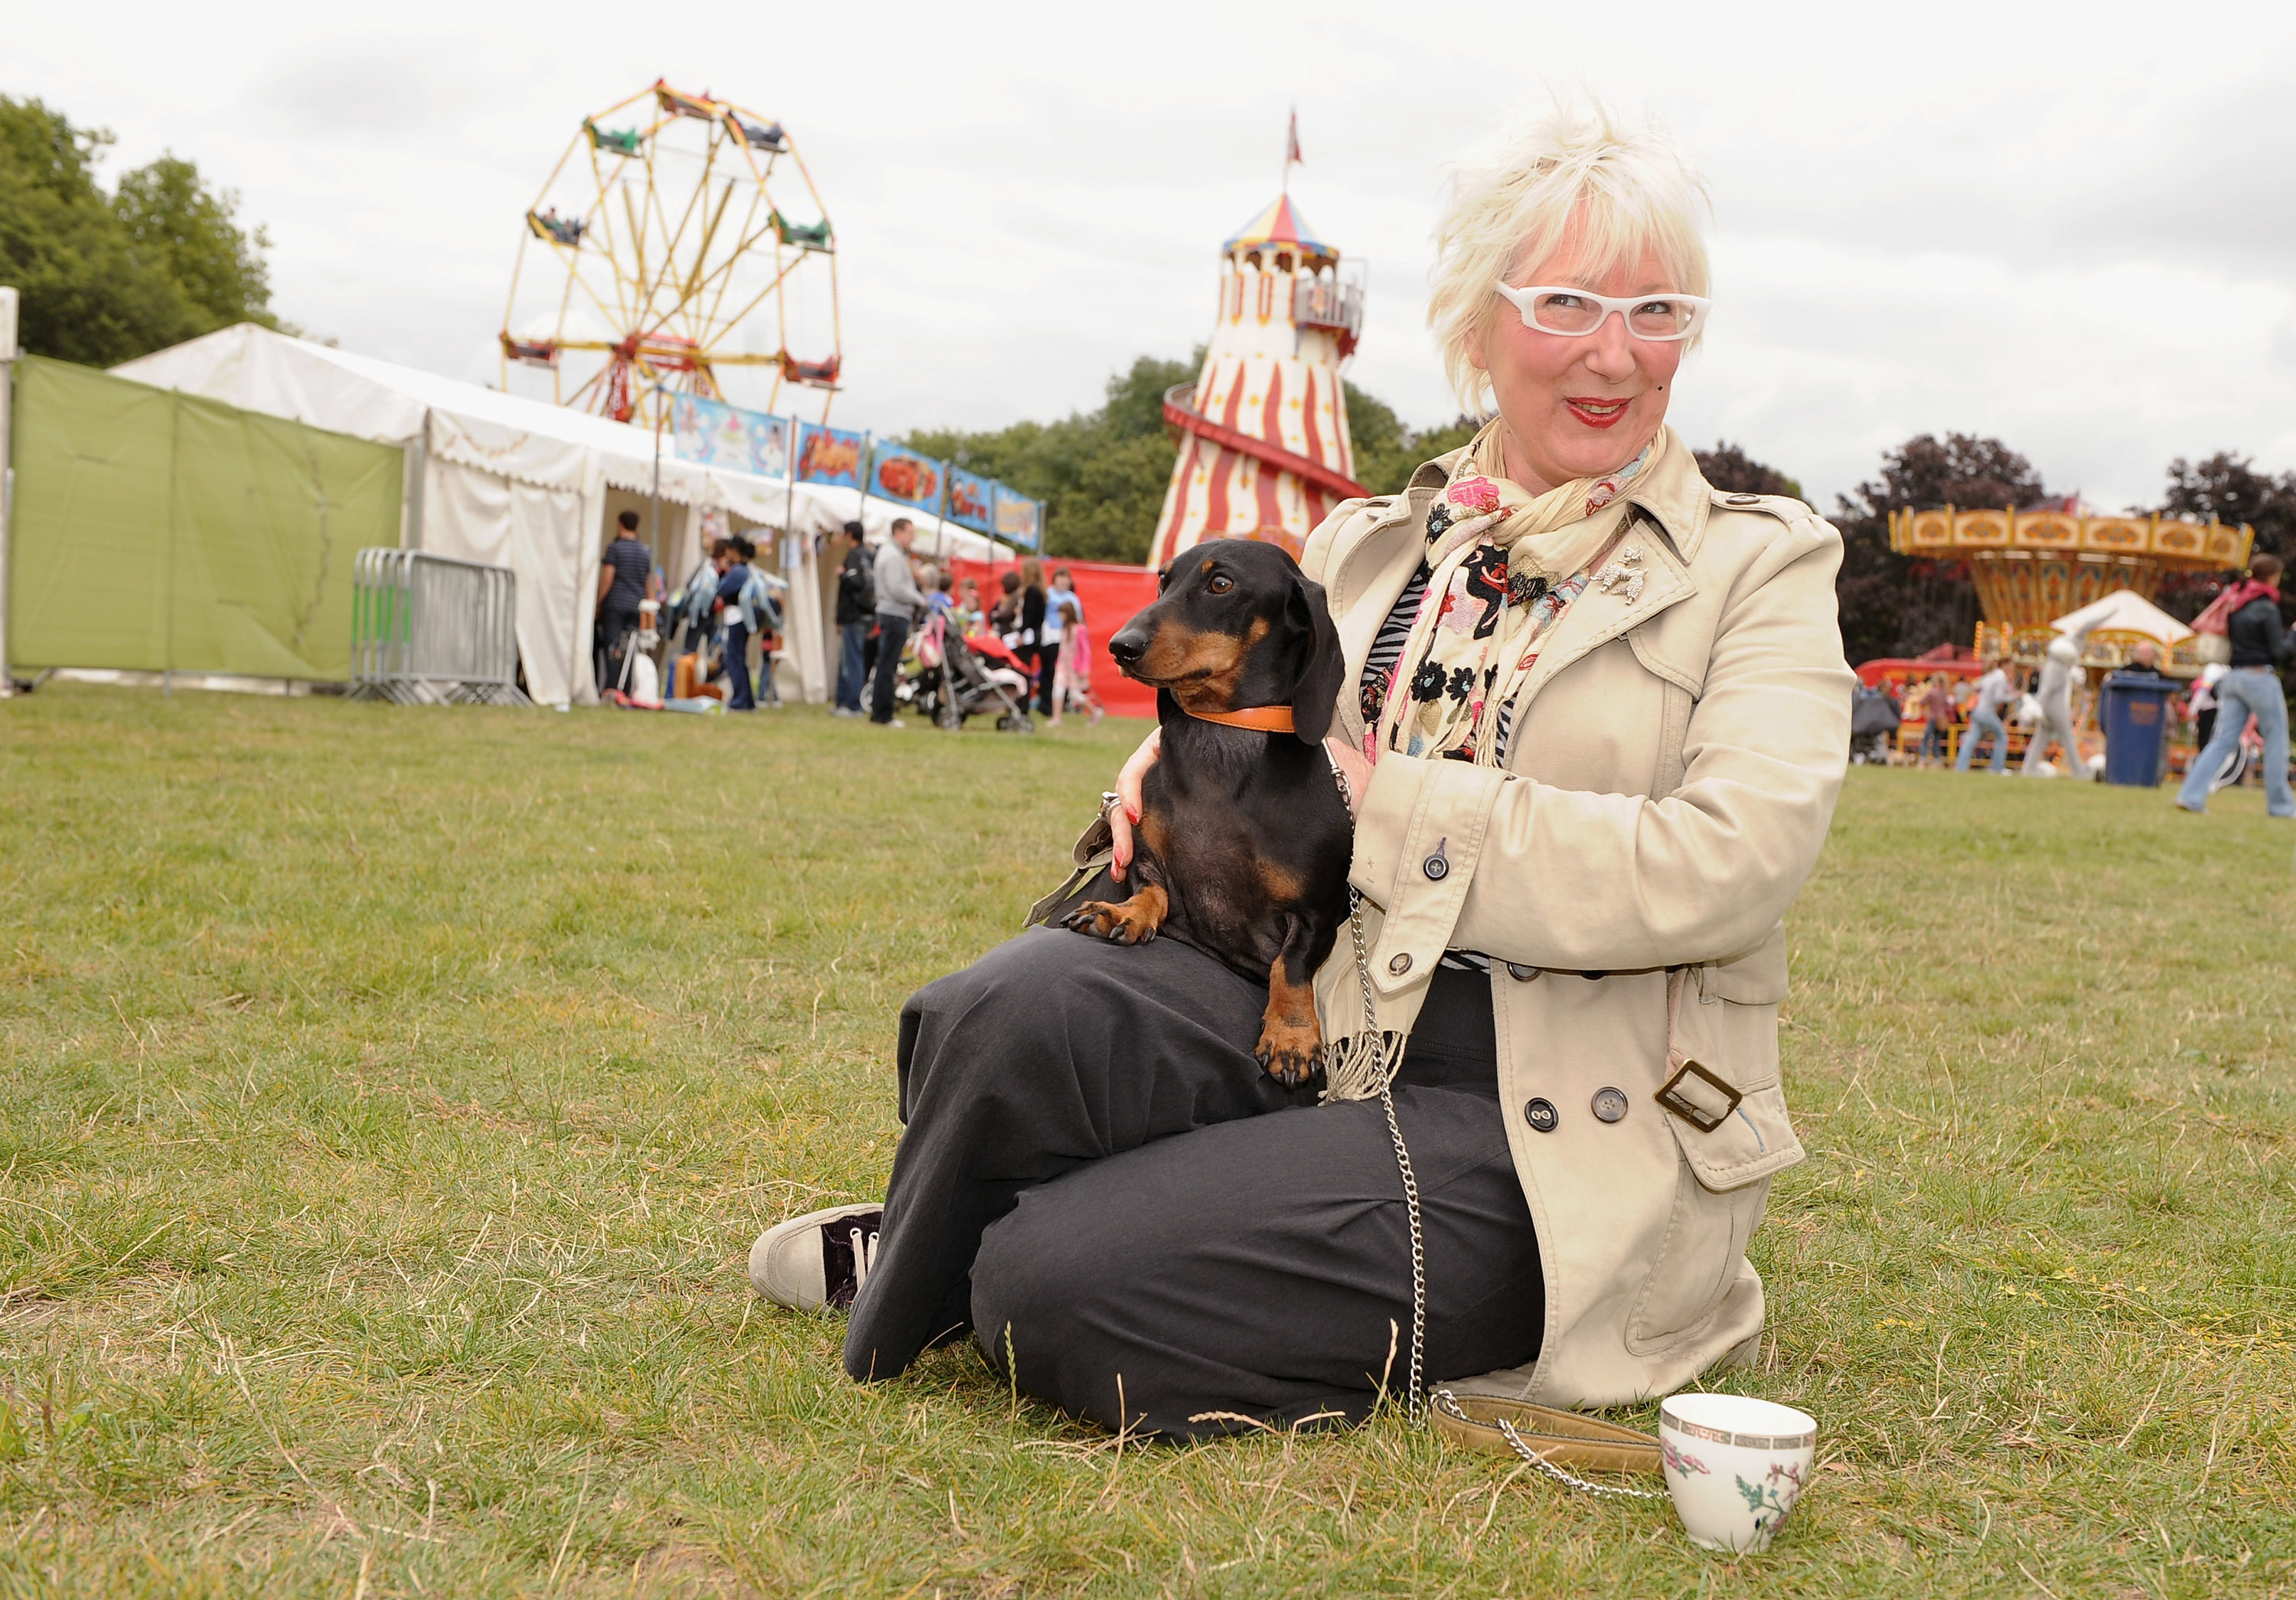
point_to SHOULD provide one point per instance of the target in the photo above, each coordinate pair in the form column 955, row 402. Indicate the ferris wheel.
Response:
column 662, row 258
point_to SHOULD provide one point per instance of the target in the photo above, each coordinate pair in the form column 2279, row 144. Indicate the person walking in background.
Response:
column 1072, row 678
column 1994, row 692
column 857, row 614
column 1048, row 657
column 622, row 574
column 1004, row 621
column 2261, row 644
column 899, row 602
column 1032, row 631
column 731, row 583
column 1937, row 712
column 2056, row 694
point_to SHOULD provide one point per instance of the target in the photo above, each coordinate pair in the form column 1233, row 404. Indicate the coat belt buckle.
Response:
column 1670, row 1095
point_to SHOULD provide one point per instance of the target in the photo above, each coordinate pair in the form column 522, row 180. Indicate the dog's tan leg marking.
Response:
column 1133, row 922
column 1290, row 1043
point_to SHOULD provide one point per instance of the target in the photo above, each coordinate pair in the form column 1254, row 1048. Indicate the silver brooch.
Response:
column 1624, row 576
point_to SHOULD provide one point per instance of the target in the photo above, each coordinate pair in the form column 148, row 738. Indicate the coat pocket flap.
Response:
column 1751, row 1141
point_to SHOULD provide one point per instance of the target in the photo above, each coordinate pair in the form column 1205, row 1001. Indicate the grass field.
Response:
column 388, row 1099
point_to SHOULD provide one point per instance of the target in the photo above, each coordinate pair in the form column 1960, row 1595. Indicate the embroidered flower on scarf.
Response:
column 1479, row 494
column 1439, row 520
column 1427, row 683
column 1461, row 684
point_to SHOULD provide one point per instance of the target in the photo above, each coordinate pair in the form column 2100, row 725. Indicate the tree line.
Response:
column 105, row 276
column 108, row 275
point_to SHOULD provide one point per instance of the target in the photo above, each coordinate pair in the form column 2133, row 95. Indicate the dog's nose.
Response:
column 1127, row 646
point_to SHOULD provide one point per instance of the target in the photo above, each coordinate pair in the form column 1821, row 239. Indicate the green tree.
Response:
column 106, row 278
column 1728, row 468
column 1900, row 605
column 1101, row 474
column 1387, row 451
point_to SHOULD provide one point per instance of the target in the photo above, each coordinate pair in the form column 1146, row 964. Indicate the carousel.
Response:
column 2032, row 567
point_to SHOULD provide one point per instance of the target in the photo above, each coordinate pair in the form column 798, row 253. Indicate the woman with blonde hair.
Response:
column 1594, row 719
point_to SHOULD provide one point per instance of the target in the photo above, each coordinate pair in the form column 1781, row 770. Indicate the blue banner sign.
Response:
column 831, row 455
column 1019, row 521
column 717, row 434
column 971, row 500
column 897, row 472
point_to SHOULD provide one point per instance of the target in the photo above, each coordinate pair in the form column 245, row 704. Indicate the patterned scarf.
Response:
column 1495, row 556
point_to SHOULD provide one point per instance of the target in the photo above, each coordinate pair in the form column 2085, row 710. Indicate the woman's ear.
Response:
column 1323, row 668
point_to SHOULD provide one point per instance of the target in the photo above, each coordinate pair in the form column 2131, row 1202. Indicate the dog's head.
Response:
column 1236, row 624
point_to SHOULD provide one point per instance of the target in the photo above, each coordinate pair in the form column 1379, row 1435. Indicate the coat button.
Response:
column 1436, row 867
column 1741, row 499
column 1399, row 965
column 1541, row 1114
column 1609, row 1105
column 1520, row 972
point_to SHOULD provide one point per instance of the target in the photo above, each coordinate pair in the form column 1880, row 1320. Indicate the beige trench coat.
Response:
column 1670, row 774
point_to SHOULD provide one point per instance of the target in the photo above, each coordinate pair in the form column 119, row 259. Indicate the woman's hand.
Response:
column 1126, row 811
column 1352, row 765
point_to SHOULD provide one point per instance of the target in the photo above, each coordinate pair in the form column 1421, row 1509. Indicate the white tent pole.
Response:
column 7, row 467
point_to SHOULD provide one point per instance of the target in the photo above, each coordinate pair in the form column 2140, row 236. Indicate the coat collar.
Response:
column 1370, row 576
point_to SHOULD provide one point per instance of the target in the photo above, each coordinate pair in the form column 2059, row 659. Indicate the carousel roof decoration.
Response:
column 1280, row 224
column 2038, row 564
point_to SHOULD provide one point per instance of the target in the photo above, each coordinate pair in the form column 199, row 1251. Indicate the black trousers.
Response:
column 609, row 635
column 1098, row 1181
column 892, row 633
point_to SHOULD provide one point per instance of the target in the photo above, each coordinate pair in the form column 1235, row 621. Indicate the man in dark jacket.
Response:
column 856, row 612
column 622, row 575
column 742, row 696
column 2261, row 645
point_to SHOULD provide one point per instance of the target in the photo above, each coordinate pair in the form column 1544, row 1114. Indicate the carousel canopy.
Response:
column 2124, row 612
column 1280, row 224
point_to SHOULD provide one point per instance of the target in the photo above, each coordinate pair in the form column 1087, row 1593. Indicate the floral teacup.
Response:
column 1735, row 1466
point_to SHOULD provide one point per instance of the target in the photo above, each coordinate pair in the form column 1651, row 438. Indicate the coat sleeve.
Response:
column 1551, row 877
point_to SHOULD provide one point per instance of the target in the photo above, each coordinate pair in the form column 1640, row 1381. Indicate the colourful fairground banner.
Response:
column 717, row 434
column 831, row 455
column 970, row 499
column 1019, row 521
column 897, row 472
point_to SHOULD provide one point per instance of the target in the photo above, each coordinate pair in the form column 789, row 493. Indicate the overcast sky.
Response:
column 2072, row 226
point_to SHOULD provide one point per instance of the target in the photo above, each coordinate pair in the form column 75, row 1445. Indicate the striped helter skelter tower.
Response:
column 1264, row 446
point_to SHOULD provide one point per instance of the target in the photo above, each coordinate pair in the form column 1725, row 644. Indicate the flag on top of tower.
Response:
column 1292, row 142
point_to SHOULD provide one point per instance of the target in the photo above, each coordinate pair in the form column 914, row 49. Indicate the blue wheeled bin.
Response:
column 2135, row 718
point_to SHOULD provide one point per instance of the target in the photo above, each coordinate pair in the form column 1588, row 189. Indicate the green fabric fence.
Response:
column 159, row 531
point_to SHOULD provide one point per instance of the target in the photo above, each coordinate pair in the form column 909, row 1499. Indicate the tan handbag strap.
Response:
column 1549, row 1439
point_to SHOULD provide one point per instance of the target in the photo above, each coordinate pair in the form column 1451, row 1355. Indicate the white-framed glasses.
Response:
column 1575, row 313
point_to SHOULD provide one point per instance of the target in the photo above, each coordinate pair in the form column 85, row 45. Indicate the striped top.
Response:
column 1378, row 681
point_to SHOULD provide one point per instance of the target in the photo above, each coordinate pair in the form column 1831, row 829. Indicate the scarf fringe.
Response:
column 1361, row 1065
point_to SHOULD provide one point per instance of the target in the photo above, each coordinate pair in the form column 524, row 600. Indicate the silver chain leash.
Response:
column 1444, row 1401
column 1413, row 1399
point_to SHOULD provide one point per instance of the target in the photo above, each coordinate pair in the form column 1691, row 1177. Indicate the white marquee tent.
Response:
column 522, row 484
column 2121, row 612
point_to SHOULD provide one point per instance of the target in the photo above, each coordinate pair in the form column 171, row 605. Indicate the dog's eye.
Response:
column 1221, row 583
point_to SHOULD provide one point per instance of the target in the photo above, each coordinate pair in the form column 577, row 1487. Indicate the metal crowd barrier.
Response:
column 431, row 630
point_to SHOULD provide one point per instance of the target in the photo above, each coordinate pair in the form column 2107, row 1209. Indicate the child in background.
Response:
column 1072, row 673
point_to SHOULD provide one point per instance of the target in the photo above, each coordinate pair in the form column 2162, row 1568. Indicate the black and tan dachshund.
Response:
column 1243, row 843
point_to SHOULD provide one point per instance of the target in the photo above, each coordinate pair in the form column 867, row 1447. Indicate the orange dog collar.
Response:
column 1259, row 720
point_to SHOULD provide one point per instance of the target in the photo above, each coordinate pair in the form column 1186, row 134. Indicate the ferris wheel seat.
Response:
column 532, row 352
column 621, row 141
column 761, row 136
column 559, row 230
column 821, row 374
column 804, row 236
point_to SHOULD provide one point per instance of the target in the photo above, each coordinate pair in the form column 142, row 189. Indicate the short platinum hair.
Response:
column 1510, row 206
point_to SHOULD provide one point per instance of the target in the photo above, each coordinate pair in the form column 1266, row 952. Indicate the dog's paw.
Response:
column 1123, row 924
column 1288, row 1052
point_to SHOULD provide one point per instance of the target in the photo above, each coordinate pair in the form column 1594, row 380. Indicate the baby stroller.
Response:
column 953, row 678
column 1873, row 717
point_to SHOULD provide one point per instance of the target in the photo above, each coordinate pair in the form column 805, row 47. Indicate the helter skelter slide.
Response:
column 662, row 258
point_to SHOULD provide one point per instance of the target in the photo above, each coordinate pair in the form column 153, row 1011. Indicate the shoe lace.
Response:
column 865, row 1254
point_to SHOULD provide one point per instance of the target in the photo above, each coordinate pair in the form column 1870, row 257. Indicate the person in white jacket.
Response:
column 2056, row 694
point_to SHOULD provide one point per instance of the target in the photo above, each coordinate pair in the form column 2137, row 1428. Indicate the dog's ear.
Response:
column 1322, row 668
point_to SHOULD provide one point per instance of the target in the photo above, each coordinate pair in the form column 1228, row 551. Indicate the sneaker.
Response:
column 891, row 722
column 842, row 711
column 818, row 1260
